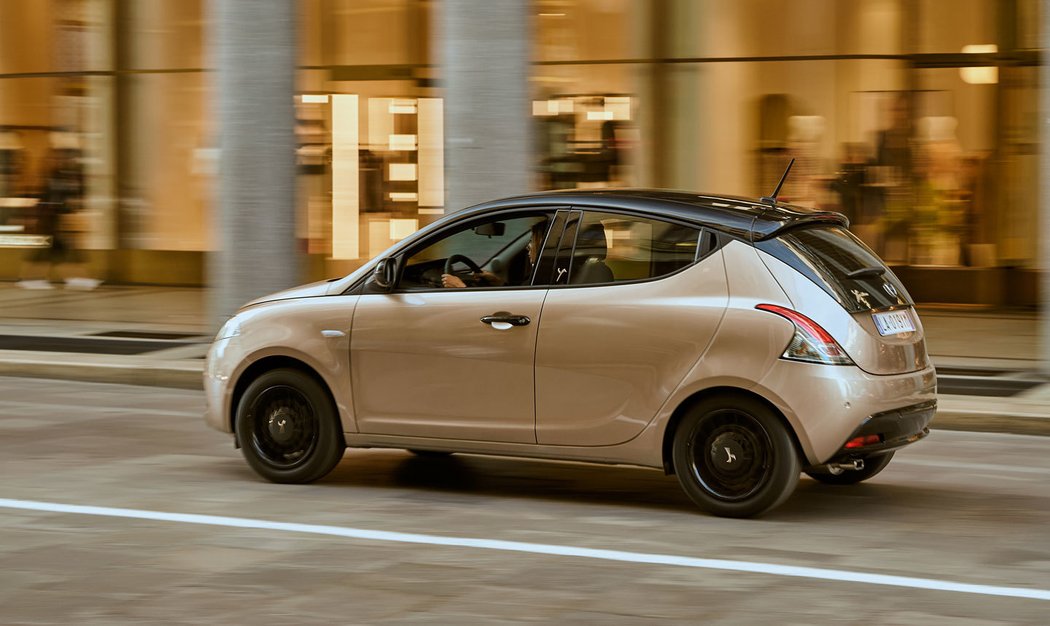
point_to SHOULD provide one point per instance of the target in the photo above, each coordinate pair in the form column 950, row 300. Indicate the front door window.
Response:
column 495, row 252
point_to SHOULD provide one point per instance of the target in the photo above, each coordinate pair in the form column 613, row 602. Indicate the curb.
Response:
column 182, row 375
column 1016, row 423
column 188, row 376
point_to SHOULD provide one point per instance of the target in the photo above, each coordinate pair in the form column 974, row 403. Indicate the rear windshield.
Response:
column 827, row 256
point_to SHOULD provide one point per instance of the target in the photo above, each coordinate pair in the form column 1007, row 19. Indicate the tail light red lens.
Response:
column 863, row 440
column 811, row 343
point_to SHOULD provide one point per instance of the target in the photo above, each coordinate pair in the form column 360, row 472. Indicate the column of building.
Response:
column 255, row 58
column 1044, row 192
column 484, row 55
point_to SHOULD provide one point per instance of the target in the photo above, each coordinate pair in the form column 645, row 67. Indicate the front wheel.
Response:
column 734, row 457
column 872, row 465
column 288, row 427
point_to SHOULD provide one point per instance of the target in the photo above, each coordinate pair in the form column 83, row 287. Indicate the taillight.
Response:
column 811, row 343
column 863, row 440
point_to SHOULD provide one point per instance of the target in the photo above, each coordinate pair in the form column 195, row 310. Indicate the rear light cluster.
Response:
column 811, row 343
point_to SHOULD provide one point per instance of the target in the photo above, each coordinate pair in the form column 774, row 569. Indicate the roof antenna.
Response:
column 772, row 199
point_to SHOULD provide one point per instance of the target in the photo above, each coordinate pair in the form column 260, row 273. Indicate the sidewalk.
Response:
column 163, row 334
column 159, row 336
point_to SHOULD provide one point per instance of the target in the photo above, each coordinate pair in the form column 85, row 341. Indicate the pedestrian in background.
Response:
column 57, row 217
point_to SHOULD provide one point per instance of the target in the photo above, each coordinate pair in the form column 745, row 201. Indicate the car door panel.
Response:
column 609, row 356
column 425, row 365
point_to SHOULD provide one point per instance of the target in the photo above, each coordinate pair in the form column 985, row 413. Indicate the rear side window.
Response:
column 841, row 265
column 612, row 248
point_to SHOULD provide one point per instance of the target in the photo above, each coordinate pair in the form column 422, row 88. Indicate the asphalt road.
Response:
column 954, row 521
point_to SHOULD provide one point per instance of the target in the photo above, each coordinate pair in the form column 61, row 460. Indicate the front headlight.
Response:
column 231, row 328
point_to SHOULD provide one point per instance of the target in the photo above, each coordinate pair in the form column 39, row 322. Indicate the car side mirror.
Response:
column 492, row 229
column 385, row 274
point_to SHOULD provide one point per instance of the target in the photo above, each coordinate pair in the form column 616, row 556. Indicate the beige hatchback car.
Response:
column 732, row 342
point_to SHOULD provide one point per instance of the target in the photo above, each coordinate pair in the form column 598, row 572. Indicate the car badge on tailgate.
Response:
column 862, row 298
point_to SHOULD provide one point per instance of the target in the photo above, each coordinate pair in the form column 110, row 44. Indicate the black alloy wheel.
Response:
column 734, row 457
column 288, row 428
column 872, row 465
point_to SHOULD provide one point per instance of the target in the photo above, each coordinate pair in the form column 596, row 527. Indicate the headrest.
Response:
column 590, row 242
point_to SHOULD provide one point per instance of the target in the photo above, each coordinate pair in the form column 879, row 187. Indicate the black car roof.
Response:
column 743, row 217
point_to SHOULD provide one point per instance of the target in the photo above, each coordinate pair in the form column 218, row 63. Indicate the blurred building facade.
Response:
column 917, row 118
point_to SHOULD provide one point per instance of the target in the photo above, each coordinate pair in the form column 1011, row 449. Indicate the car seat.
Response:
column 588, row 259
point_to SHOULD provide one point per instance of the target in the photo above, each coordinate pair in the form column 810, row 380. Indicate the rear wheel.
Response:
column 872, row 465
column 288, row 428
column 734, row 457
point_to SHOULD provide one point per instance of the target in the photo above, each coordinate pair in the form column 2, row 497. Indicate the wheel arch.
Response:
column 688, row 403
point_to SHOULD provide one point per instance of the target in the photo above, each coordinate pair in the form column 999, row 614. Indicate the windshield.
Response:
column 841, row 265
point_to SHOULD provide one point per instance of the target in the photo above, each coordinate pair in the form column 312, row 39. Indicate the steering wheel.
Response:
column 459, row 258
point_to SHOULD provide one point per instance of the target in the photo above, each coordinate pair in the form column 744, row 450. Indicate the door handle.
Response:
column 501, row 320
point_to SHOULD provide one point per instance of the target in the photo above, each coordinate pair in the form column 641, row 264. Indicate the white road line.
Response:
column 537, row 548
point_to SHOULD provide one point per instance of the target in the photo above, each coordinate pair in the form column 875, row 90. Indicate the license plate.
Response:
column 894, row 322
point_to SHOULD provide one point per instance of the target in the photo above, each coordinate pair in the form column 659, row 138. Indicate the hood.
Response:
column 312, row 290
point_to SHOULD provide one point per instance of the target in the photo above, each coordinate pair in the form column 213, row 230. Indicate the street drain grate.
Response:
column 988, row 386
column 135, row 334
column 85, row 345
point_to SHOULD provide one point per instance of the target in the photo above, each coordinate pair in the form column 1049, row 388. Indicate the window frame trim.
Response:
column 720, row 239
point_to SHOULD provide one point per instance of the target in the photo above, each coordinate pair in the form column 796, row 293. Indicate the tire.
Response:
column 734, row 457
column 872, row 465
column 288, row 427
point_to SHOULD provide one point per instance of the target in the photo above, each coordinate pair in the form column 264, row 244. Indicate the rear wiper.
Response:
column 867, row 272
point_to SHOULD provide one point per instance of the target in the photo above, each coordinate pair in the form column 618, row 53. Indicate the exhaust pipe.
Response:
column 847, row 466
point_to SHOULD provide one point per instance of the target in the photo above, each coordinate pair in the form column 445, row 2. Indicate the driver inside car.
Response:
column 488, row 279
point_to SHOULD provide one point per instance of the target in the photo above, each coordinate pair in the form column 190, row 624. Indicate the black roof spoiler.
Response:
column 778, row 219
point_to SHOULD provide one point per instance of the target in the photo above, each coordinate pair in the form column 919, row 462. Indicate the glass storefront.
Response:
column 55, row 124
column 918, row 119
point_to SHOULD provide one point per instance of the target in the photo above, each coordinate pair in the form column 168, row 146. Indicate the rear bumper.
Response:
column 828, row 405
column 895, row 429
